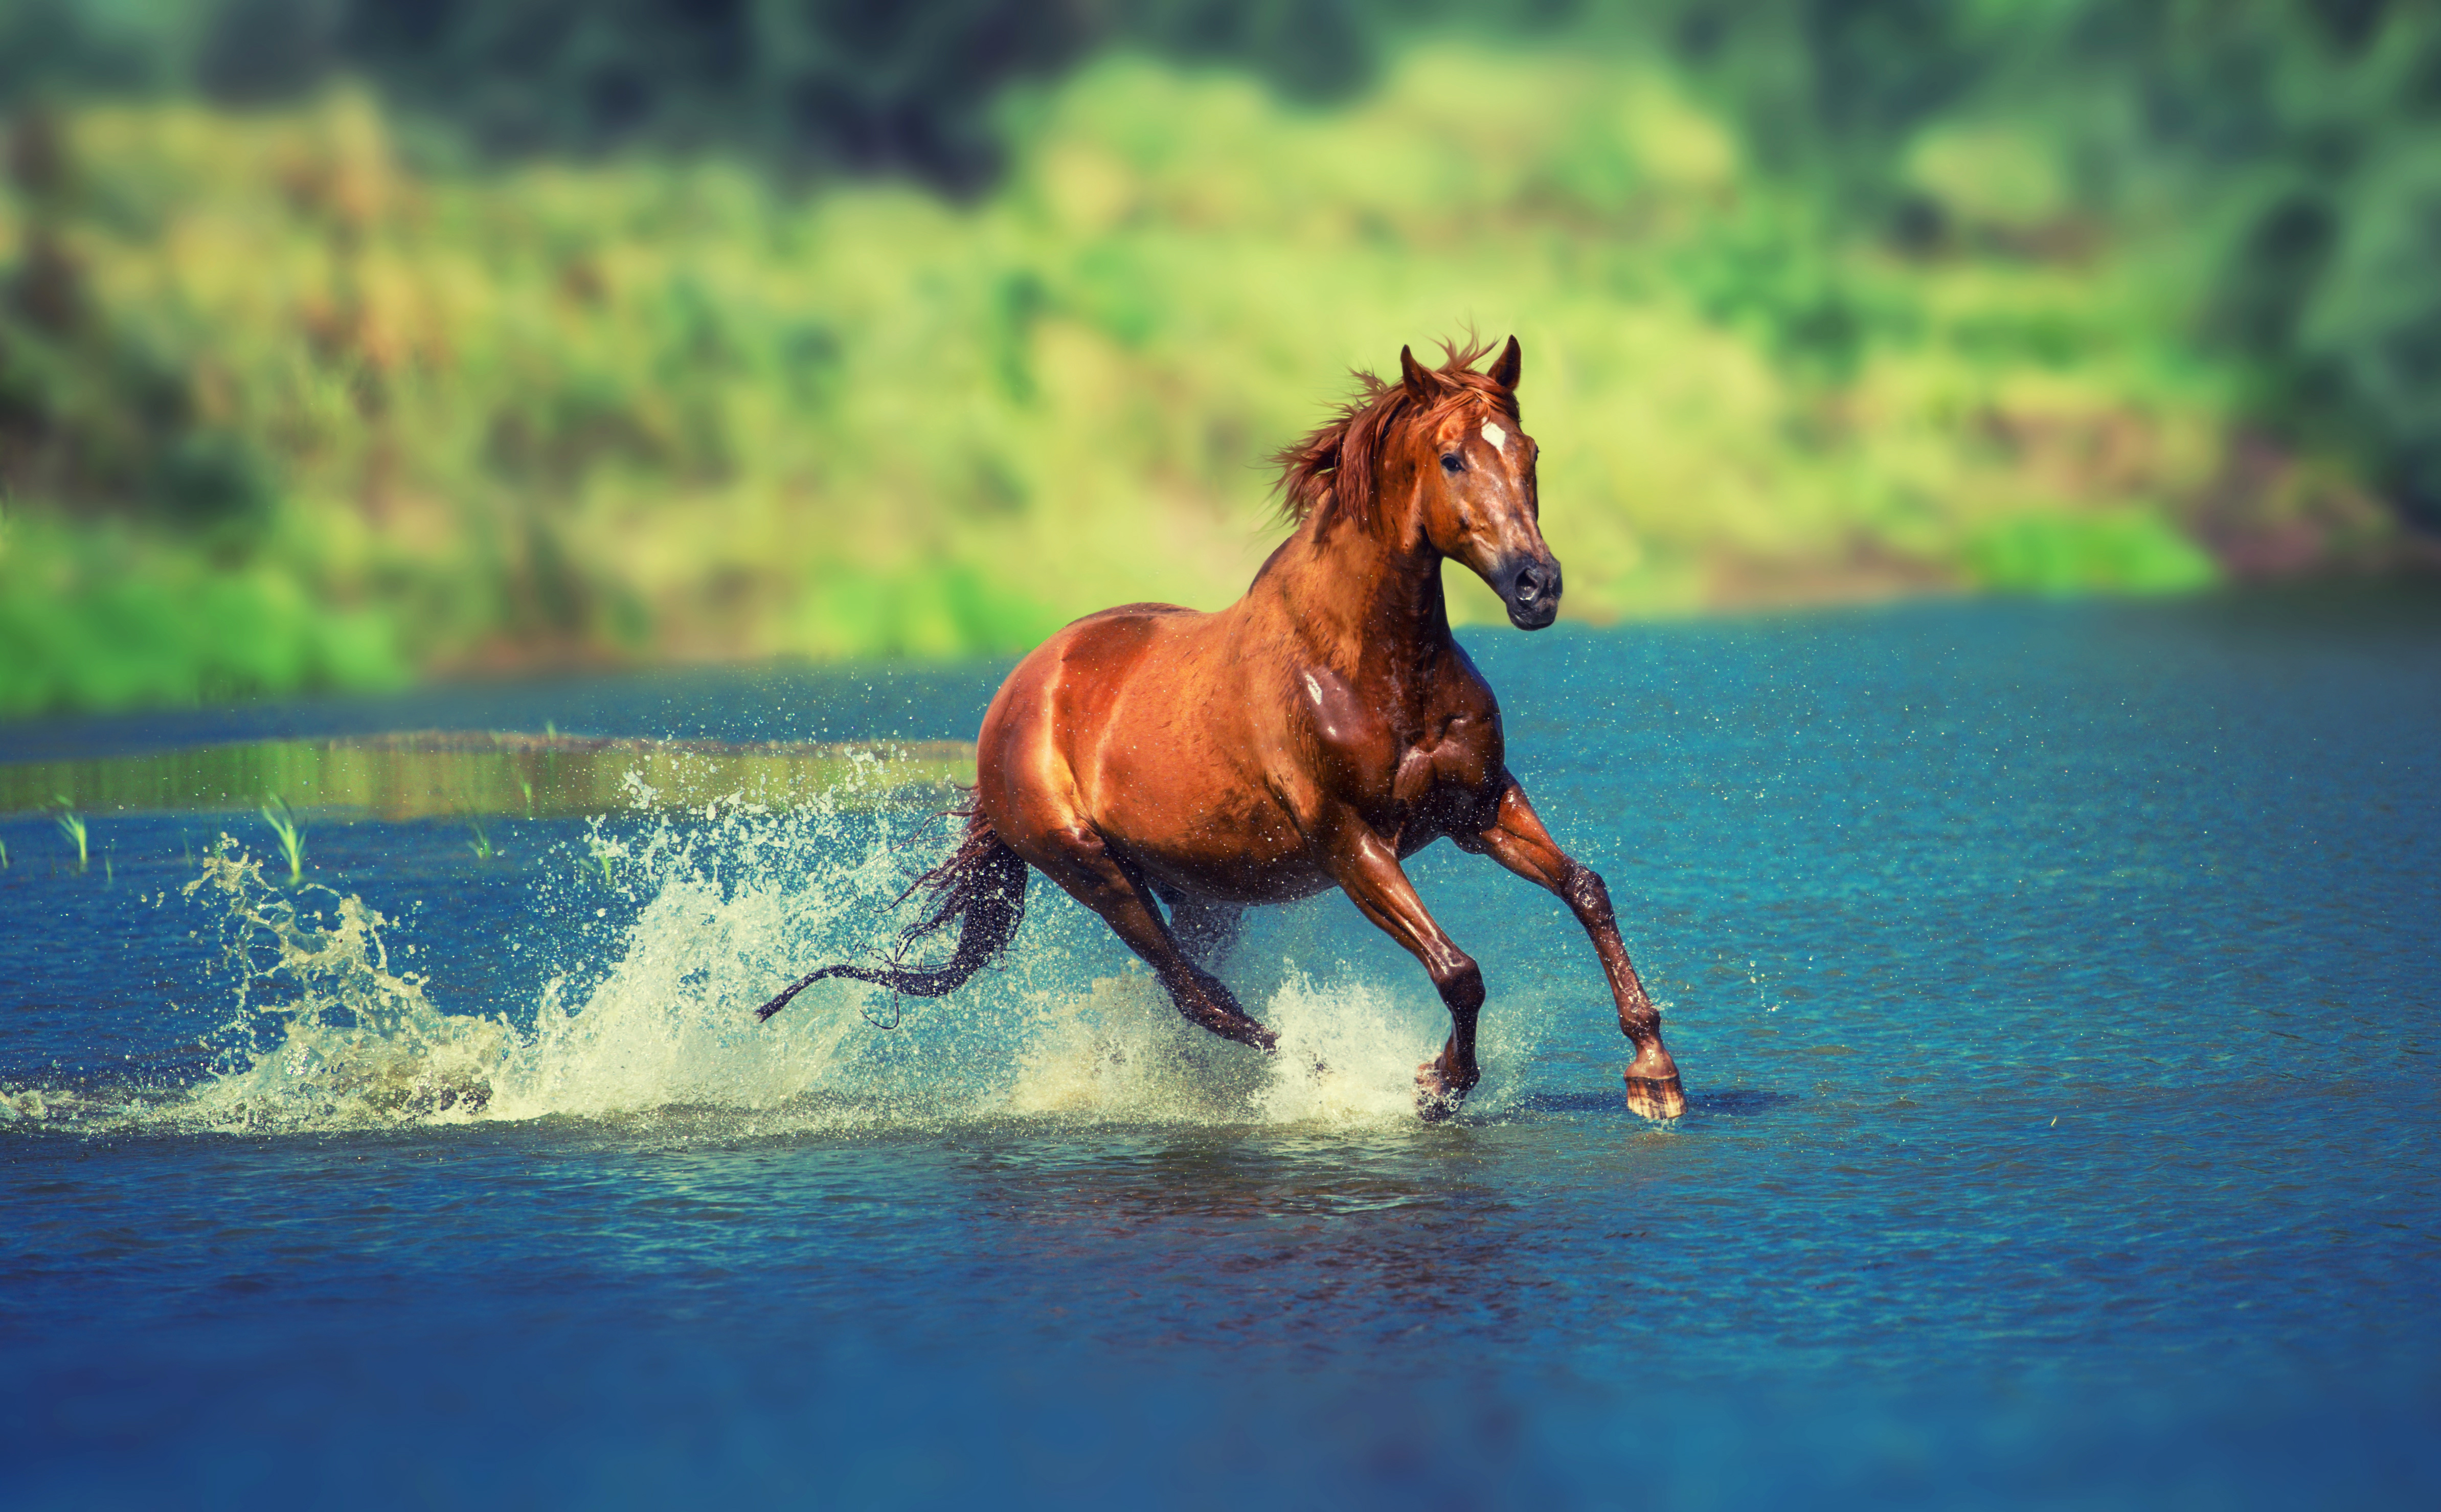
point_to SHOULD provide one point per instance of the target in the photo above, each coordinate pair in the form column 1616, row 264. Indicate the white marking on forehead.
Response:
column 1498, row 438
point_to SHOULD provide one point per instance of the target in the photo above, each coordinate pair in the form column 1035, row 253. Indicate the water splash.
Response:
column 351, row 1041
column 1347, row 1052
column 655, row 1020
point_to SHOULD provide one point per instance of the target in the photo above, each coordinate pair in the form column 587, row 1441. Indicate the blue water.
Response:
column 2052, row 985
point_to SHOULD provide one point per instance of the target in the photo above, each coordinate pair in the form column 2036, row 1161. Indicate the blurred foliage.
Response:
column 100, row 617
column 599, row 332
column 2292, row 148
column 806, row 84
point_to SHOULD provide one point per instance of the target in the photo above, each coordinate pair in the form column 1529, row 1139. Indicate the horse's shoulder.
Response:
column 1351, row 747
column 1342, row 717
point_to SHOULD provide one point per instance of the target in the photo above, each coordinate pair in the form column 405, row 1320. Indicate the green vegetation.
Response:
column 281, row 409
column 292, row 835
column 104, row 613
column 2126, row 551
column 71, row 824
column 604, row 852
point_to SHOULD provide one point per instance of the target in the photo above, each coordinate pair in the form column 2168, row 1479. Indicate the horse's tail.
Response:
column 982, row 885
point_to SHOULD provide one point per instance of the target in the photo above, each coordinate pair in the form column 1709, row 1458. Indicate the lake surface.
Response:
column 2052, row 985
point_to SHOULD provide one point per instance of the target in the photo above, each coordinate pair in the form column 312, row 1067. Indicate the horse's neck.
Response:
column 1365, row 602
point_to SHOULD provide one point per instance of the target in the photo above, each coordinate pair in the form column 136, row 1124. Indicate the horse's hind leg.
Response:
column 1075, row 857
column 1204, row 930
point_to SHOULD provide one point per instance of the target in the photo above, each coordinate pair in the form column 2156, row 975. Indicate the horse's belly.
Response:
column 1234, row 878
column 1213, row 835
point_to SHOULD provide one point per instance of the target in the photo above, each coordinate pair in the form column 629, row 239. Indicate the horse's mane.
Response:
column 1336, row 470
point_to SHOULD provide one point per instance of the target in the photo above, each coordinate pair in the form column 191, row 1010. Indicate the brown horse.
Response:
column 1310, row 735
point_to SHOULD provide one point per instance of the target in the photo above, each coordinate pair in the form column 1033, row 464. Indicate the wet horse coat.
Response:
column 1310, row 735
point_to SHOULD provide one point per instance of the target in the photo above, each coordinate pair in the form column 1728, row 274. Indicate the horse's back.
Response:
column 1084, row 665
column 1109, row 643
column 1123, row 720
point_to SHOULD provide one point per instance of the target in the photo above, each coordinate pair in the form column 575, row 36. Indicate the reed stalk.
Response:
column 72, row 825
column 292, row 835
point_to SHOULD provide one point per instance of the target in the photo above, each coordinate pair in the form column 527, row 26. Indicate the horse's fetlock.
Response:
column 1458, row 1073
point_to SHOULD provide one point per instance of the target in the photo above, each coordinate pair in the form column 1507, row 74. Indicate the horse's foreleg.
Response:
column 1515, row 838
column 1074, row 857
column 1367, row 870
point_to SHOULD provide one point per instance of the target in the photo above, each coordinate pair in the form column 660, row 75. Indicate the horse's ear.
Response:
column 1423, row 384
column 1512, row 362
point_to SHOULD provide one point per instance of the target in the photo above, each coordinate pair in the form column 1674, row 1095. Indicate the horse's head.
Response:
column 1436, row 458
column 1475, row 482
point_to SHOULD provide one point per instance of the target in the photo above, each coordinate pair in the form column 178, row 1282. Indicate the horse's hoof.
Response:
column 1436, row 1099
column 1238, row 1029
column 1658, row 1098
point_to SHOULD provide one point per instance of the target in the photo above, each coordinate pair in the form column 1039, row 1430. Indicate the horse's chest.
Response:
column 1449, row 760
column 1406, row 771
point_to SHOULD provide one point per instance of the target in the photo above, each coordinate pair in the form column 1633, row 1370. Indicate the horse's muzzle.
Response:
column 1531, row 588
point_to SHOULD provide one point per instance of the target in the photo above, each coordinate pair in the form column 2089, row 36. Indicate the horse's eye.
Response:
column 1453, row 462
